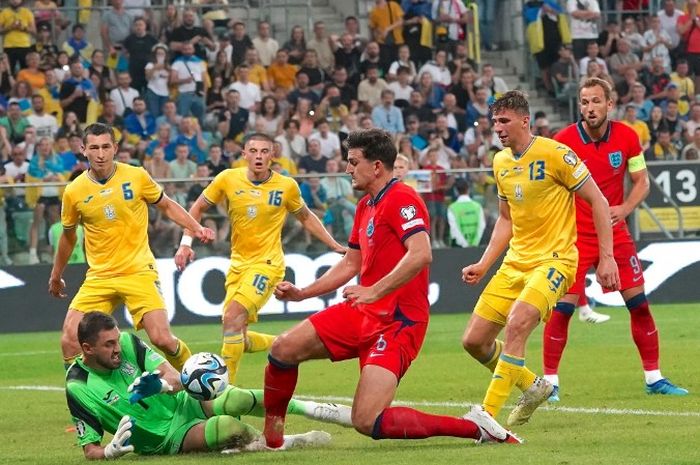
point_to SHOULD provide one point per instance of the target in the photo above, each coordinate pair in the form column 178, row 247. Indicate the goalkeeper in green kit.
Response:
column 121, row 386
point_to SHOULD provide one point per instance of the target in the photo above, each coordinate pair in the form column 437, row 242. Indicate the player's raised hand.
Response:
column 205, row 235
column 57, row 287
column 183, row 257
column 288, row 291
column 119, row 445
column 473, row 273
column 360, row 295
column 617, row 213
column 607, row 274
column 147, row 385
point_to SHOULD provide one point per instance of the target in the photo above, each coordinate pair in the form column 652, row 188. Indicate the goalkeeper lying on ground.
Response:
column 113, row 388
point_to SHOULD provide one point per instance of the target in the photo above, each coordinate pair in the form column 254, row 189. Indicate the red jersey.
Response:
column 607, row 160
column 381, row 226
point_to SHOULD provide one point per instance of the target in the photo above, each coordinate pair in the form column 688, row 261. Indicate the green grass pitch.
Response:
column 604, row 416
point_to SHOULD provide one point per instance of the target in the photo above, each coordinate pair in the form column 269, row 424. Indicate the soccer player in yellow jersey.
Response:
column 111, row 201
column 536, row 179
column 258, row 201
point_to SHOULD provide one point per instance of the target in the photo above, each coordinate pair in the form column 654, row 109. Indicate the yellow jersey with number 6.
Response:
column 539, row 186
column 257, row 212
column 114, row 214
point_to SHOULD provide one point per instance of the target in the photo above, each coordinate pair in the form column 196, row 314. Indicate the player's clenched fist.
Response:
column 205, row 235
column 57, row 287
column 472, row 274
column 607, row 274
column 288, row 291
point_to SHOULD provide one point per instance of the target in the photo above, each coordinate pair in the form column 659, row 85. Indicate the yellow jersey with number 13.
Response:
column 114, row 214
column 257, row 212
column 539, row 186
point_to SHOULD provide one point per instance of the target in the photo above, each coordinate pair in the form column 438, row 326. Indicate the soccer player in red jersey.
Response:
column 610, row 150
column 384, row 318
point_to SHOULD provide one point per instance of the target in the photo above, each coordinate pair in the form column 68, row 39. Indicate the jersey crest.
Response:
column 615, row 159
column 370, row 227
column 408, row 212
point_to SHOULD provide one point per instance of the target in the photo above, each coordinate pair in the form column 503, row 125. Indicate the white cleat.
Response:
column 592, row 317
column 328, row 413
column 292, row 441
column 491, row 430
column 532, row 398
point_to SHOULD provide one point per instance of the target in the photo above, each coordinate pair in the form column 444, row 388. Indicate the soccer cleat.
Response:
column 490, row 429
column 593, row 317
column 666, row 387
column 329, row 413
column 540, row 391
column 554, row 396
column 292, row 441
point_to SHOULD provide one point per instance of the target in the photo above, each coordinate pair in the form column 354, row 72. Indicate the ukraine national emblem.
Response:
column 615, row 159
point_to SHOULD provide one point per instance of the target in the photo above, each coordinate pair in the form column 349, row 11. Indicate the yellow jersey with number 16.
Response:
column 539, row 186
column 114, row 214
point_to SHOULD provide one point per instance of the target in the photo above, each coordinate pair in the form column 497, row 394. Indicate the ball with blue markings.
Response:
column 204, row 376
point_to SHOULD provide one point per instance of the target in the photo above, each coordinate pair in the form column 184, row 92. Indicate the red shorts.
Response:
column 628, row 264
column 392, row 343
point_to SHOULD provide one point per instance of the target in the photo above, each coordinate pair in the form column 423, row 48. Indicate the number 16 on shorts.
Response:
column 260, row 283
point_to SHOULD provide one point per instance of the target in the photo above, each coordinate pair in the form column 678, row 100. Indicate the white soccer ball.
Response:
column 204, row 376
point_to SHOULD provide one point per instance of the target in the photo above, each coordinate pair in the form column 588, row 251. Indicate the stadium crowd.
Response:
column 183, row 86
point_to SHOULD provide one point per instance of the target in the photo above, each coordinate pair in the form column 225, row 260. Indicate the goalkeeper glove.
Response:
column 146, row 385
column 120, row 442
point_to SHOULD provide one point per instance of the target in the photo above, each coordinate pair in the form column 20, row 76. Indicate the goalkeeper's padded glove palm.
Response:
column 120, row 442
column 146, row 385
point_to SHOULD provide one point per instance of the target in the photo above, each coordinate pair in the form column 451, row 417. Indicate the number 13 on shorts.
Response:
column 555, row 278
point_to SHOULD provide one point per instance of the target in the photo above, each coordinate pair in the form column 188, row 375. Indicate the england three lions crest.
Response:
column 615, row 159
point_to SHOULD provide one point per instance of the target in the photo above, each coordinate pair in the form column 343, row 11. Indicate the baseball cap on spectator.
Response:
column 12, row 101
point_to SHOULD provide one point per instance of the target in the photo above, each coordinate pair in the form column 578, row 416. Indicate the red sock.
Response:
column 280, row 381
column 407, row 423
column 556, row 333
column 644, row 331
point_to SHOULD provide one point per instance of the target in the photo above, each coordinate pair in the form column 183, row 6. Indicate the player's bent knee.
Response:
column 363, row 422
column 283, row 349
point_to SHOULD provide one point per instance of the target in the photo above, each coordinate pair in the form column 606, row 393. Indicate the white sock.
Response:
column 652, row 376
column 554, row 379
column 585, row 310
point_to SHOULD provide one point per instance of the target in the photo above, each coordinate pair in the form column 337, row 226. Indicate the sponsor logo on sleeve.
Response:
column 412, row 223
column 579, row 171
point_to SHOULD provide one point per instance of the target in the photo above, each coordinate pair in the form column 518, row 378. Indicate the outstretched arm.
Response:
column 179, row 215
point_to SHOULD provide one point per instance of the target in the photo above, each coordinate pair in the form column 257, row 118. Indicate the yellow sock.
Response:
column 182, row 353
column 232, row 351
column 258, row 342
column 508, row 370
column 525, row 380
column 68, row 361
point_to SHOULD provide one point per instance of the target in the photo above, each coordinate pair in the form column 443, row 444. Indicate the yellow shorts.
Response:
column 541, row 287
column 252, row 287
column 140, row 292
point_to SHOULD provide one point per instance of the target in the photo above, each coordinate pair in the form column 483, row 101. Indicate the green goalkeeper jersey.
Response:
column 98, row 400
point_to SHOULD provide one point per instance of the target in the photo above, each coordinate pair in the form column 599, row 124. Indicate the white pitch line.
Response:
column 424, row 403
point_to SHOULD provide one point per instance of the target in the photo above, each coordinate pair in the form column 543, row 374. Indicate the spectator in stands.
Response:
column 17, row 169
column 592, row 54
column 437, row 69
column 444, row 154
column 138, row 47
column 352, row 27
column 673, row 121
column 46, row 125
column 640, row 102
column 296, row 45
column 220, row 65
column 370, row 89
column 156, row 166
column 435, row 200
column 162, row 140
column 311, row 67
column 47, row 14
column 692, row 146
column 7, row 79
column 455, row 115
column 403, row 61
column 22, row 92
column 170, row 116
column 432, row 93
column 585, row 15
column 401, row 87
column 190, row 33
column 657, row 45
column 17, row 26
column 693, row 122
column 216, row 161
column 631, row 34
column 464, row 88
column 385, row 25
column 609, row 39
column 140, row 9
column 257, row 74
column 685, row 83
column 488, row 79
column 123, row 95
column 4, row 193
column 657, row 80
column 77, row 44
column 45, row 47
column 314, row 161
column 98, row 71
column 623, row 60
column 270, row 116
column 663, row 149
column 293, row 145
column 340, row 201
column 157, row 74
column 447, row 134
column 302, row 90
column 32, row 74
column 182, row 167
column 109, row 115
column 45, row 166
column 76, row 91
column 171, row 20
column 331, row 109
column 418, row 142
column 139, row 125
column 321, row 43
column 373, row 57
column 465, row 217
column 417, row 107
column 594, row 70
column 187, row 74
column 250, row 92
column 417, row 16
column 281, row 73
column 190, row 133
column 70, row 125
column 387, row 116
column 14, row 123
column 305, row 115
column 451, row 16
column 348, row 57
column 655, row 123
column 265, row 45
column 639, row 126
column 478, row 106
column 668, row 18
column 115, row 26
column 564, row 72
column 330, row 143
column 348, row 90
column 481, row 135
column 689, row 30
column 196, row 189
column 411, row 155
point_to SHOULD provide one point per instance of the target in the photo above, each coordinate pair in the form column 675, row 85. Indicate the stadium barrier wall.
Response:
column 195, row 295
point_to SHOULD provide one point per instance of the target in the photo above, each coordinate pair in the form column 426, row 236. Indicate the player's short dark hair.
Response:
column 597, row 82
column 257, row 136
column 91, row 325
column 97, row 129
column 514, row 100
column 375, row 144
